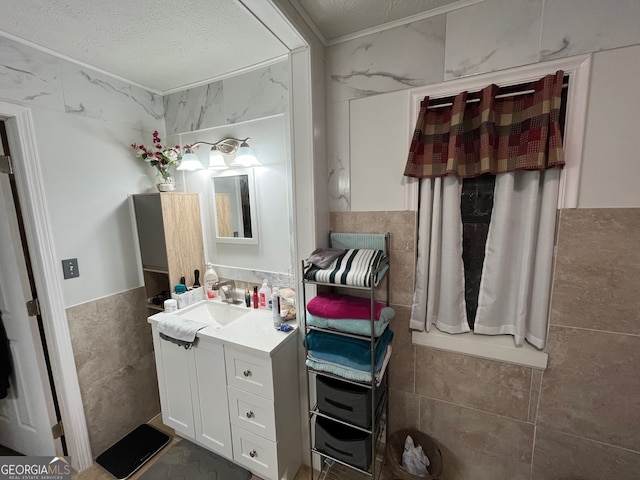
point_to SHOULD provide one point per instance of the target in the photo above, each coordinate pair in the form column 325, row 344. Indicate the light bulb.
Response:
column 190, row 163
column 216, row 159
column 245, row 157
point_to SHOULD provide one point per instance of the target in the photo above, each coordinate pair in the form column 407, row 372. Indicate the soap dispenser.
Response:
column 210, row 281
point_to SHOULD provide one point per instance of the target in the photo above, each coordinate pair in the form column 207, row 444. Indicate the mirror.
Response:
column 234, row 207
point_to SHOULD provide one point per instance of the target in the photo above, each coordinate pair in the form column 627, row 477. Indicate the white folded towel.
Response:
column 176, row 328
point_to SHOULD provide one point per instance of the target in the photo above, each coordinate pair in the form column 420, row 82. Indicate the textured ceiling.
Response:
column 166, row 45
column 161, row 44
column 337, row 18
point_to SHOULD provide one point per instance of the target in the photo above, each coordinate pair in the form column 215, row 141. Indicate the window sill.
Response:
column 500, row 348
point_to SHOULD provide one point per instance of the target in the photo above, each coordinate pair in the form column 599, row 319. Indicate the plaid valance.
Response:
column 494, row 135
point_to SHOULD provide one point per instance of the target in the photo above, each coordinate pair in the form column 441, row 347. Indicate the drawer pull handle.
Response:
column 250, row 414
column 247, row 373
column 253, row 454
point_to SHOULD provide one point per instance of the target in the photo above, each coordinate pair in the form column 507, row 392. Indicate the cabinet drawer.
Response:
column 249, row 373
column 252, row 413
column 255, row 453
column 346, row 401
column 343, row 443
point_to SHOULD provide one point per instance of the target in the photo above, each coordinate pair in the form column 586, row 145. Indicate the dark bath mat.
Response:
column 188, row 461
column 131, row 452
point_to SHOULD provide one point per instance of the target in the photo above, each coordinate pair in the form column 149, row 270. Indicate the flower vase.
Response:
column 165, row 183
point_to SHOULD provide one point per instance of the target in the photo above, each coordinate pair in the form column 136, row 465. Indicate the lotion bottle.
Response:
column 210, row 279
column 264, row 295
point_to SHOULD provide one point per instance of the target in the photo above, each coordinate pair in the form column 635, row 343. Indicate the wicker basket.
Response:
column 395, row 447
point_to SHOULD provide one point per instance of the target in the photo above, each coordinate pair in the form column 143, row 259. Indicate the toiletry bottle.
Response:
column 210, row 281
column 170, row 305
column 247, row 297
column 275, row 310
column 255, row 297
column 264, row 295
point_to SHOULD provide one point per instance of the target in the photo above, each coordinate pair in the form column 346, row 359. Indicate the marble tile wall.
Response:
column 247, row 96
column 34, row 78
column 399, row 58
column 113, row 352
column 487, row 36
column 577, row 419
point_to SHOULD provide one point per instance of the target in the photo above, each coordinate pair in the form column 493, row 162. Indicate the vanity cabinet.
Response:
column 170, row 237
column 192, row 397
column 240, row 402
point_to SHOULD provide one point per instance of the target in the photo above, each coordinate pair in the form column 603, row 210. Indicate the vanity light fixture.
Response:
column 227, row 146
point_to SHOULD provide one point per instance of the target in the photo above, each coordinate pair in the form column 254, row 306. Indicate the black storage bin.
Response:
column 343, row 443
column 346, row 401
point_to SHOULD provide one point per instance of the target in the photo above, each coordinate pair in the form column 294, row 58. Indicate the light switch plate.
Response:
column 70, row 268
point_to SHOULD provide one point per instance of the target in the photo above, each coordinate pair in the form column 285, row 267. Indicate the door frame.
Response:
column 29, row 179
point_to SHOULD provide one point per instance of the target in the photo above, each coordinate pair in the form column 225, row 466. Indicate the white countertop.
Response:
column 253, row 330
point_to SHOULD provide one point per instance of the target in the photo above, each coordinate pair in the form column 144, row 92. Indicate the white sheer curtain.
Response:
column 516, row 276
column 439, row 295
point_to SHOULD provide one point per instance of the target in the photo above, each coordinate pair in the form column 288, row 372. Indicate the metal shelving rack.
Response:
column 380, row 412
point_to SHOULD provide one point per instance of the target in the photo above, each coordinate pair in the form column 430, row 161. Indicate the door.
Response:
column 27, row 413
column 175, row 367
column 223, row 215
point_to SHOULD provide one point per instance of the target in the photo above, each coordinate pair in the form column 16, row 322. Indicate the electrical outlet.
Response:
column 70, row 268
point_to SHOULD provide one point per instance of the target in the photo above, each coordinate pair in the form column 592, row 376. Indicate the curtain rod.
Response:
column 474, row 100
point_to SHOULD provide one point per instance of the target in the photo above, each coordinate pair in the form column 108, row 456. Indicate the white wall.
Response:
column 84, row 123
column 253, row 104
column 380, row 131
column 89, row 173
column 611, row 160
column 273, row 251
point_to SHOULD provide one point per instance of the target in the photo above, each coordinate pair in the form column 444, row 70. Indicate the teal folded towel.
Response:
column 353, row 325
column 348, row 351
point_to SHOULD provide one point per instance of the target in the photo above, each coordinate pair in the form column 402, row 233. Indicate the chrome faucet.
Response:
column 228, row 287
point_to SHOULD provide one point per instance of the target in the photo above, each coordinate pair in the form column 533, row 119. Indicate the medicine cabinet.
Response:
column 234, row 207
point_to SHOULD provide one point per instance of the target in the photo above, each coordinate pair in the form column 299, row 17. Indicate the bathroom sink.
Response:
column 215, row 314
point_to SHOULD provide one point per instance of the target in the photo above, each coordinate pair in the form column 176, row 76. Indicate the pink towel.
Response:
column 335, row 305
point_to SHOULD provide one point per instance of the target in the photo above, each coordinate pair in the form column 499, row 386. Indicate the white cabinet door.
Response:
column 210, row 398
column 174, row 363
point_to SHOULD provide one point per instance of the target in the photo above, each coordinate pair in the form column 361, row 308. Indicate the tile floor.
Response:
column 337, row 472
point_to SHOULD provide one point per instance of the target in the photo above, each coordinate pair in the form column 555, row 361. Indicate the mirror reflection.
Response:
column 234, row 210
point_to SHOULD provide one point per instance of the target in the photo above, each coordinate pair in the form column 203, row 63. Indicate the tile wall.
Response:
column 496, row 421
column 36, row 79
column 113, row 351
column 248, row 96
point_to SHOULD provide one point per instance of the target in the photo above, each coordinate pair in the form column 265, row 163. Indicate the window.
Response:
column 476, row 207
